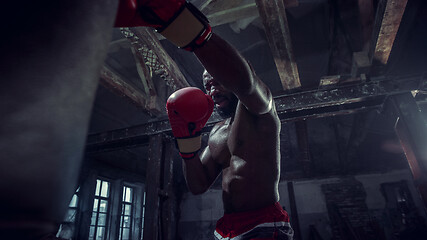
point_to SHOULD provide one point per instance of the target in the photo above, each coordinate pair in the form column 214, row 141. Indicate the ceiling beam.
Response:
column 218, row 5
column 226, row 11
column 387, row 21
column 117, row 85
column 155, row 56
column 338, row 100
column 232, row 14
column 273, row 15
column 366, row 13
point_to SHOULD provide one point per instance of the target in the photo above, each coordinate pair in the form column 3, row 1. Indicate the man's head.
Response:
column 225, row 101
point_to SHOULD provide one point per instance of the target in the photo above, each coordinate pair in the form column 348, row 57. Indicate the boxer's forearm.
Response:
column 195, row 175
column 226, row 65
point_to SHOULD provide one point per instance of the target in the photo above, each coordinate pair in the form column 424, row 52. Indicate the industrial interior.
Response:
column 349, row 83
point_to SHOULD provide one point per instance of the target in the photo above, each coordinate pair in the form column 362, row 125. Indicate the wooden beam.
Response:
column 155, row 56
column 342, row 99
column 366, row 14
column 219, row 5
column 232, row 14
column 412, row 132
column 117, row 85
column 223, row 12
column 152, row 186
column 387, row 21
column 276, row 28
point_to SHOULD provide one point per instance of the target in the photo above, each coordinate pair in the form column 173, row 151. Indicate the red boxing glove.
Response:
column 188, row 110
column 178, row 21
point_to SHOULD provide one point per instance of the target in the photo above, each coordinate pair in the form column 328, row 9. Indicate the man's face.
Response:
column 225, row 101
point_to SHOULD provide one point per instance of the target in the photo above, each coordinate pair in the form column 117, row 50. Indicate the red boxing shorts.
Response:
column 271, row 222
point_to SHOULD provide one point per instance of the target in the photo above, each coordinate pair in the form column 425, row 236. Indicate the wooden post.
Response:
column 152, row 185
column 412, row 132
column 294, row 211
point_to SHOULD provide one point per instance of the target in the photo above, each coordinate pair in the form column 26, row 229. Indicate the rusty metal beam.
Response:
column 293, row 107
column 117, row 85
column 387, row 21
column 155, row 56
column 273, row 15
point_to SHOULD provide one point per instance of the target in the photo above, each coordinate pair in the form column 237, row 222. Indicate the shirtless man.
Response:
column 245, row 146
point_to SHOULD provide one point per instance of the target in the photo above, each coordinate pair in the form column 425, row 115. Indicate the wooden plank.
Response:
column 366, row 14
column 411, row 129
column 224, row 13
column 276, row 28
column 152, row 186
column 219, row 5
column 232, row 14
column 155, row 56
column 387, row 21
column 117, row 85
column 168, row 203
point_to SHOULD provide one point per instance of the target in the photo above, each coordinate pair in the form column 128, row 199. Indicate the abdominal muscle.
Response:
column 249, row 185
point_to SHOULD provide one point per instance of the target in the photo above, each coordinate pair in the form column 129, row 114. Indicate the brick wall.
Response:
column 347, row 209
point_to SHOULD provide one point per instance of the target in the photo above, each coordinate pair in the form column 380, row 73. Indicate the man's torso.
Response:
column 248, row 149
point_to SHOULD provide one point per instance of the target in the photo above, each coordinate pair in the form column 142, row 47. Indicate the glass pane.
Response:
column 125, row 235
column 93, row 219
column 73, row 202
column 91, row 232
column 129, row 192
column 105, row 189
column 103, row 207
column 102, row 218
column 100, row 233
column 126, row 221
column 124, row 193
column 98, row 187
column 128, row 209
column 95, row 205
column 71, row 215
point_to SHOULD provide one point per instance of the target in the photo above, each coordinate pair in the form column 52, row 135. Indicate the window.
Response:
column 143, row 216
column 126, row 216
column 98, row 223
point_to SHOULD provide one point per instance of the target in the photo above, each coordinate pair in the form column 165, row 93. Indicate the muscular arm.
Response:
column 200, row 172
column 233, row 72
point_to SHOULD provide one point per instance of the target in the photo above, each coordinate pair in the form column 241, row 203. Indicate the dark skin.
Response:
column 244, row 147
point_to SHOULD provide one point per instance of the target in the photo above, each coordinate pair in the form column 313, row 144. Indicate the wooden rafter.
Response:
column 155, row 56
column 219, row 5
column 117, row 85
column 273, row 15
column 232, row 14
column 224, row 11
column 387, row 21
column 366, row 13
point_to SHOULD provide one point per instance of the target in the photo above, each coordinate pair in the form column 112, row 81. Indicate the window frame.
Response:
column 99, row 198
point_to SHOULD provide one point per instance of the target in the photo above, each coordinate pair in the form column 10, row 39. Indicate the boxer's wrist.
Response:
column 189, row 147
column 188, row 29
